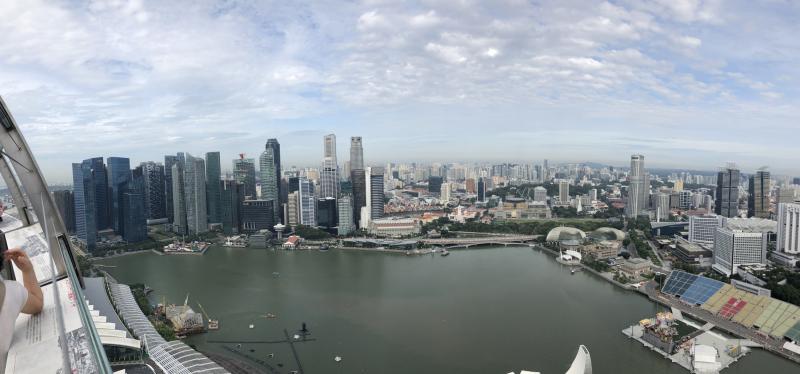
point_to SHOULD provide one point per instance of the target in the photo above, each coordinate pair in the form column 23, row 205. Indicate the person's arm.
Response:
column 35, row 298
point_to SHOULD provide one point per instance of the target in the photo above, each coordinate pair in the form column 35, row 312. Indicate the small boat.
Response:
column 252, row 325
column 269, row 316
column 324, row 247
column 445, row 253
column 275, row 274
column 337, row 359
column 296, row 337
column 213, row 324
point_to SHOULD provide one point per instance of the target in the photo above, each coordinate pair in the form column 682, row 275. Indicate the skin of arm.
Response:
column 35, row 298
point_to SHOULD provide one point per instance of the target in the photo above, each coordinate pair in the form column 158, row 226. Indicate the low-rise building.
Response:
column 604, row 249
column 636, row 267
column 292, row 242
column 692, row 253
column 394, row 227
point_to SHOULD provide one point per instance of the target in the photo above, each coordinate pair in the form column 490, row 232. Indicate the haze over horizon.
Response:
column 689, row 84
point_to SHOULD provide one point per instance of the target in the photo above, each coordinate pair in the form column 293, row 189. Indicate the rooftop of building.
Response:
column 752, row 224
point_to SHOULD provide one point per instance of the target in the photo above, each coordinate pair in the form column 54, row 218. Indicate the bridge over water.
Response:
column 471, row 242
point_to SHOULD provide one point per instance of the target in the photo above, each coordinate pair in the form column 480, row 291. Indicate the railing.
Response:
column 36, row 346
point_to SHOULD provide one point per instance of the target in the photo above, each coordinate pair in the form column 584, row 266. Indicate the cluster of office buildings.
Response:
column 112, row 202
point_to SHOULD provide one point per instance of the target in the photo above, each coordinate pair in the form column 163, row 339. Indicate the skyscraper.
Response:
column 728, row 192
column 326, row 213
column 83, row 181
column 65, row 202
column 276, row 155
column 358, row 178
column 306, row 203
column 231, row 198
column 257, row 215
column 375, row 192
column 194, row 185
column 563, row 191
column 244, row 172
column 119, row 174
column 329, row 175
column 213, row 197
column 133, row 215
column 293, row 209
column 178, row 198
column 345, row 215
column 758, row 199
column 269, row 180
column 736, row 247
column 788, row 228
column 356, row 153
column 154, row 199
column 435, row 184
column 169, row 161
column 481, row 190
column 101, row 192
column 639, row 187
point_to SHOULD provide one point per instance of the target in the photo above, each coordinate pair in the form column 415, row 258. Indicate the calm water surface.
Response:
column 481, row 311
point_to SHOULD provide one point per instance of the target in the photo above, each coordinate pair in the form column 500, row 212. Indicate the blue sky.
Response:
column 689, row 84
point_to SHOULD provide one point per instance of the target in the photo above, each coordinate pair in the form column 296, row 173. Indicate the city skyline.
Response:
column 581, row 81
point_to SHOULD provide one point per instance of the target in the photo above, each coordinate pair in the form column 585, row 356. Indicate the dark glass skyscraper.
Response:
column 435, row 184
column 169, row 161
column 213, row 173
column 133, row 214
column 481, row 190
column 728, row 192
column 119, row 174
column 758, row 199
column 244, row 172
column 83, row 182
column 154, row 199
column 232, row 196
column 358, row 177
column 326, row 213
column 65, row 202
column 276, row 154
column 257, row 215
column 101, row 192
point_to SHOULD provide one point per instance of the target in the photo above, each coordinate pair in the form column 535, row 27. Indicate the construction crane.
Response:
column 213, row 324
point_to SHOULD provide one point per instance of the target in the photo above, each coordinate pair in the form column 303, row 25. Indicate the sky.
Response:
column 689, row 84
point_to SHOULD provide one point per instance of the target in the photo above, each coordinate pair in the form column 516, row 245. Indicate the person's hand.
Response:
column 19, row 258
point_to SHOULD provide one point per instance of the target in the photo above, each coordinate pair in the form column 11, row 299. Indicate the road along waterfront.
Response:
column 487, row 310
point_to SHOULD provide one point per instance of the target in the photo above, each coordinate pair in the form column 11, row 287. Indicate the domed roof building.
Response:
column 608, row 233
column 564, row 233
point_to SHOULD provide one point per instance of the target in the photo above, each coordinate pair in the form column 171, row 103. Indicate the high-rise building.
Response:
column 356, row 153
column 733, row 248
column 444, row 194
column 293, row 209
column 329, row 174
column 481, row 190
column 358, row 178
column 685, row 200
column 169, row 161
column 545, row 171
column 563, row 191
column 244, row 172
column 326, row 213
column 784, row 195
column 345, row 215
column 178, row 198
column 273, row 144
column 375, row 192
column 119, row 174
column 65, row 202
column 213, row 197
column 788, row 228
column 638, row 188
column 728, row 192
column 258, row 215
column 470, row 186
column 678, row 186
column 83, row 181
column 231, row 199
column 101, row 193
column 270, row 185
column 435, row 184
column 702, row 229
column 758, row 199
column 133, row 215
column 306, row 203
column 154, row 199
column 194, row 185
column 662, row 206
